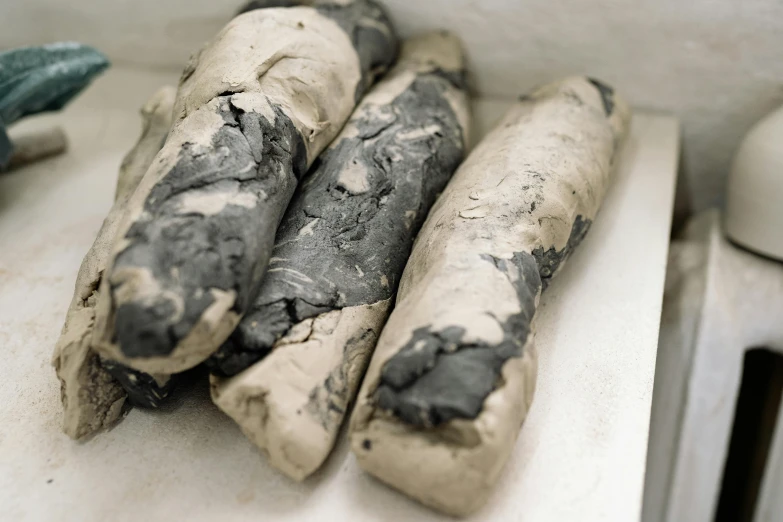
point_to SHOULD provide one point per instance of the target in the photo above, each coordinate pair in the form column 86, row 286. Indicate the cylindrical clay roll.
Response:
column 339, row 255
column 92, row 398
column 454, row 370
column 254, row 109
column 34, row 147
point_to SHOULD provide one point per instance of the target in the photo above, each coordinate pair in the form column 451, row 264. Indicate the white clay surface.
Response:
column 270, row 399
column 580, row 455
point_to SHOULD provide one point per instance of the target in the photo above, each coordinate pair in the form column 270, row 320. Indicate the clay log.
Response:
column 33, row 147
column 338, row 257
column 254, row 109
column 454, row 371
column 92, row 398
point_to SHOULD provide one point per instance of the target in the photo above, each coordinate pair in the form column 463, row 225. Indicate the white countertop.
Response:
column 580, row 455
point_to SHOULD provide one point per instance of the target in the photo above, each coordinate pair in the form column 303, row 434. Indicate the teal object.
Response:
column 42, row 79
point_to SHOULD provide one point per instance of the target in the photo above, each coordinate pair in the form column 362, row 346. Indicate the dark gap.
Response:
column 754, row 425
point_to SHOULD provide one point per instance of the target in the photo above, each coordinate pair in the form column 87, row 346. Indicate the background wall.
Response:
column 718, row 64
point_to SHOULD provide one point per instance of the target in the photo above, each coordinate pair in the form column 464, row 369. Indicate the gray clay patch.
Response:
column 267, row 4
column 142, row 389
column 607, row 95
column 329, row 401
column 436, row 377
column 360, row 20
column 347, row 235
column 549, row 261
column 190, row 253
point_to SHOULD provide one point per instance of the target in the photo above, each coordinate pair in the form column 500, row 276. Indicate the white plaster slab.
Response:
column 721, row 302
column 580, row 455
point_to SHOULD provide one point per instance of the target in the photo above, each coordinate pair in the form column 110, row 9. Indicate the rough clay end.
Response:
column 291, row 403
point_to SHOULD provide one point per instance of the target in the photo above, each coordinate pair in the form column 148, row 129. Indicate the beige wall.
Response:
column 718, row 64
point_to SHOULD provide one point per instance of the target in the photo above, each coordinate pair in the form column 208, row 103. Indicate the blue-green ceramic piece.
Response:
column 40, row 79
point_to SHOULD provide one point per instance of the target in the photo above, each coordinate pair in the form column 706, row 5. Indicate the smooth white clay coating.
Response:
column 454, row 371
column 339, row 255
column 254, row 109
column 92, row 399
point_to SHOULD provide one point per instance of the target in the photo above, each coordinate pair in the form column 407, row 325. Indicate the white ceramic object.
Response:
column 720, row 301
column 754, row 195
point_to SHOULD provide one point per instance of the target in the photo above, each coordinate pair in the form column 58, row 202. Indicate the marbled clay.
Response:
column 254, row 109
column 339, row 255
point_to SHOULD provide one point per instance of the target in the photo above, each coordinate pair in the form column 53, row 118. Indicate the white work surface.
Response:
column 580, row 455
